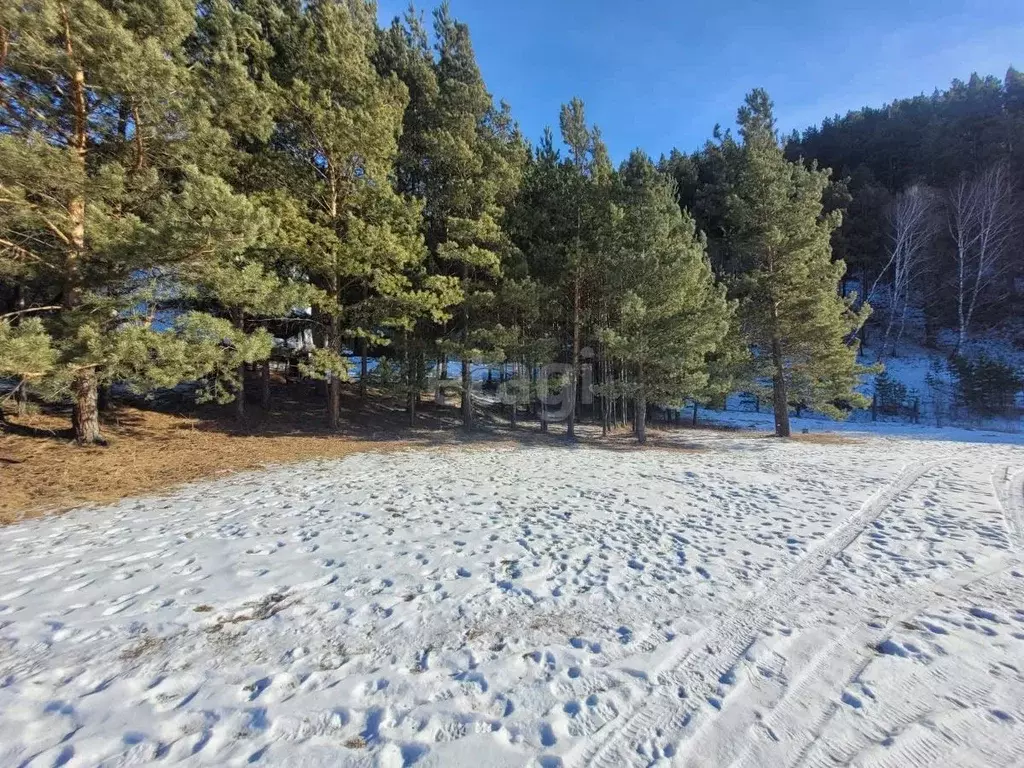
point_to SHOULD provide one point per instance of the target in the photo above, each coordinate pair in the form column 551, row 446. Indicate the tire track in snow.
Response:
column 1009, row 489
column 796, row 725
column 688, row 678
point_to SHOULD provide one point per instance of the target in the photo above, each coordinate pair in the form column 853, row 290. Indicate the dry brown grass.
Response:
column 828, row 438
column 150, row 451
column 820, row 438
column 623, row 439
column 42, row 470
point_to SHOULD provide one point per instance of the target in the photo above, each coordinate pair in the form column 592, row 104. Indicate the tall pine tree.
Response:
column 669, row 316
column 463, row 156
column 106, row 138
column 329, row 167
column 801, row 330
column 585, row 209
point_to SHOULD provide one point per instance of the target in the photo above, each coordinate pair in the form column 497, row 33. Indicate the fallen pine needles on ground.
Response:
column 43, row 470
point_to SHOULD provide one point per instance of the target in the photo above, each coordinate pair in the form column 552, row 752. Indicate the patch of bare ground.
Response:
column 42, row 469
column 818, row 438
column 148, row 452
column 827, row 438
column 154, row 448
column 624, row 439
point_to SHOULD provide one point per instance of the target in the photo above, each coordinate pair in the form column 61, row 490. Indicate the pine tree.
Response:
column 462, row 156
column 716, row 167
column 563, row 224
column 801, row 330
column 539, row 227
column 105, row 137
column 670, row 315
column 577, row 137
column 25, row 354
column 230, row 58
column 329, row 170
column 589, row 170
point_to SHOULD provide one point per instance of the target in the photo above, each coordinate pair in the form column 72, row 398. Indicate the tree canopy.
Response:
column 191, row 189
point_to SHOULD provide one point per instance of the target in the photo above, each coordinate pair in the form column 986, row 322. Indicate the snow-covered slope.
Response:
column 912, row 367
column 727, row 600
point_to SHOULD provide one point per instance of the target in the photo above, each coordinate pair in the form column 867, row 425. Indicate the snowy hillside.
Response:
column 726, row 600
column 929, row 384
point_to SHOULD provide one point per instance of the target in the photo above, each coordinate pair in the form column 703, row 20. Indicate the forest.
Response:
column 201, row 192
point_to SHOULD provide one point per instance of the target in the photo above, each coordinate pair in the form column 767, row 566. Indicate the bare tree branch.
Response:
column 20, row 251
column 30, row 310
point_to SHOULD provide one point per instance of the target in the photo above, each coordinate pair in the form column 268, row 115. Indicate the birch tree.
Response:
column 912, row 229
column 982, row 222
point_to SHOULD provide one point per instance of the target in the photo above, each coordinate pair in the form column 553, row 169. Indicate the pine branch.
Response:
column 56, row 230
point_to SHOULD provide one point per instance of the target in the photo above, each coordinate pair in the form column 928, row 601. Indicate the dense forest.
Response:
column 187, row 188
column 926, row 186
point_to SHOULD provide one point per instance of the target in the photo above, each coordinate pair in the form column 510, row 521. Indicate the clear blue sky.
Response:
column 661, row 73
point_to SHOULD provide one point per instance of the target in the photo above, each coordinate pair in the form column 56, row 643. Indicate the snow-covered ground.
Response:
column 723, row 600
column 814, row 424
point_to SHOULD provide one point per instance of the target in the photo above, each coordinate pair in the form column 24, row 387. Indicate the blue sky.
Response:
column 658, row 74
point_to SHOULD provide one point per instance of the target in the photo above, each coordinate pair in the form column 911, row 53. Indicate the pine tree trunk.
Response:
column 442, row 373
column 640, row 417
column 333, row 402
column 570, row 429
column 265, row 385
column 532, row 396
column 613, row 408
column 514, row 404
column 240, row 394
column 467, row 394
column 780, row 396
column 624, row 403
column 412, row 394
column 21, row 399
column 606, row 403
column 364, row 366
column 363, row 370
column 85, row 415
column 239, row 318
column 332, row 341
column 467, row 371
